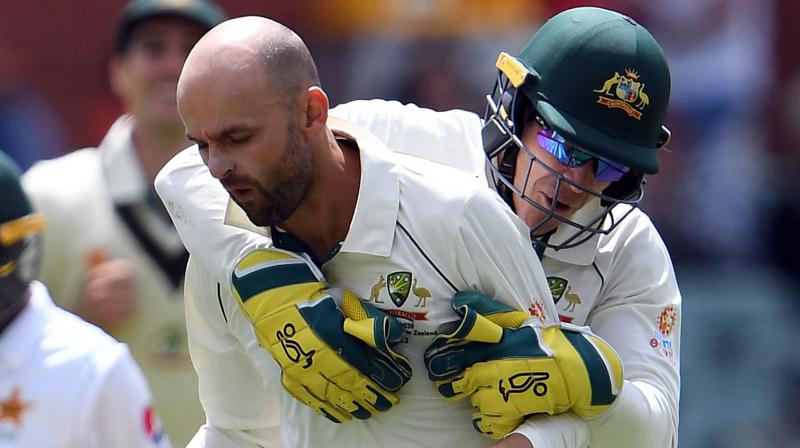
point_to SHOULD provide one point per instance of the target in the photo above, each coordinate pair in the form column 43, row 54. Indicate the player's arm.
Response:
column 641, row 316
column 121, row 410
column 451, row 137
column 637, row 297
column 238, row 388
column 501, row 262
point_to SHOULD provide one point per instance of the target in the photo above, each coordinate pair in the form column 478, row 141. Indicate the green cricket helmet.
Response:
column 20, row 239
column 600, row 82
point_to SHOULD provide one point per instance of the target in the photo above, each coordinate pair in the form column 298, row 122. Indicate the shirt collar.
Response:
column 124, row 173
column 373, row 224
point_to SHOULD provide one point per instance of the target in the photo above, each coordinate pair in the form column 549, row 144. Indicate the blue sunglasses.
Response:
column 569, row 155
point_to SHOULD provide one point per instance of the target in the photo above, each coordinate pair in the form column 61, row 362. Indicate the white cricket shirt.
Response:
column 64, row 383
column 92, row 200
column 621, row 284
column 421, row 231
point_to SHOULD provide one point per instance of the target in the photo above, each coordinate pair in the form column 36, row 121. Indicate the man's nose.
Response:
column 219, row 164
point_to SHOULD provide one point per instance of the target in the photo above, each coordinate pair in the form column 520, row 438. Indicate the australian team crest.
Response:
column 624, row 92
column 399, row 285
column 557, row 286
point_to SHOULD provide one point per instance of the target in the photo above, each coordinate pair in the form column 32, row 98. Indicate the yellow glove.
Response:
column 510, row 373
column 341, row 365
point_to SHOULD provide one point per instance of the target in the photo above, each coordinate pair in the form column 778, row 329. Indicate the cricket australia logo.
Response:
column 399, row 285
column 624, row 92
column 557, row 286
column 293, row 350
column 522, row 382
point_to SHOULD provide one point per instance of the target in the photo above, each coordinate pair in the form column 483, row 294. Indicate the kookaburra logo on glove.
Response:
column 522, row 382
column 294, row 351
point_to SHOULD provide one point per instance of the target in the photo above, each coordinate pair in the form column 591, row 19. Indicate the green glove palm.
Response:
column 338, row 361
column 510, row 370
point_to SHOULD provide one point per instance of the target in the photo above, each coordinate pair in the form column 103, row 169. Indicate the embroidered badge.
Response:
column 398, row 285
column 537, row 310
column 667, row 320
column 662, row 338
column 624, row 92
column 557, row 286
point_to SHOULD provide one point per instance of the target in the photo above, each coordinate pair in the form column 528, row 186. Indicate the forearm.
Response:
column 641, row 416
column 550, row 431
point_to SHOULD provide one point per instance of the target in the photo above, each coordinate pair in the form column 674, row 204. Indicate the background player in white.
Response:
column 64, row 383
column 250, row 98
column 595, row 80
column 112, row 255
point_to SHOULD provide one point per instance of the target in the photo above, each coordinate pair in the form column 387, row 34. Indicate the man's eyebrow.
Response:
column 221, row 134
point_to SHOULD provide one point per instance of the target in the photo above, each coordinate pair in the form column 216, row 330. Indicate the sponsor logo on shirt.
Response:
column 662, row 337
column 399, row 286
column 152, row 425
column 537, row 310
column 560, row 288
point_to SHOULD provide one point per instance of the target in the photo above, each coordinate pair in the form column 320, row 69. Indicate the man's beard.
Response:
column 278, row 194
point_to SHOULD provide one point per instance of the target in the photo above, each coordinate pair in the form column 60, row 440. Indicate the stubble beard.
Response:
column 277, row 201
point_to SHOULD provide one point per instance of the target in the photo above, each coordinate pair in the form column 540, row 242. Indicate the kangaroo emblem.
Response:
column 422, row 293
column 609, row 84
column 375, row 292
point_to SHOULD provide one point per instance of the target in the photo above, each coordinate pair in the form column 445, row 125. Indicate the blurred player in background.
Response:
column 572, row 127
column 64, row 383
column 112, row 255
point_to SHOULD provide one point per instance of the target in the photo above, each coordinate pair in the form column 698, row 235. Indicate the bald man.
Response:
column 402, row 232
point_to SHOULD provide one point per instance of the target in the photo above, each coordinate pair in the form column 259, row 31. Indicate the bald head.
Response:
column 244, row 48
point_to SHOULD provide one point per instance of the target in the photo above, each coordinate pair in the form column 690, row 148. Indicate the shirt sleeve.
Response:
column 495, row 256
column 235, row 373
column 451, row 137
column 213, row 437
column 639, row 315
column 197, row 204
column 122, row 414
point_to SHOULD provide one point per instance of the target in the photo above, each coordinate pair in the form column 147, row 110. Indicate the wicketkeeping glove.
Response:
column 338, row 361
column 509, row 373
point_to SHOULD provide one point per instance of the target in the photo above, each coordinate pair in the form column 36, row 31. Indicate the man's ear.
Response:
column 316, row 109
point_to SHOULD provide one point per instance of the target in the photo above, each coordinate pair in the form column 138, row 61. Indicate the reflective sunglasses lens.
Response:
column 608, row 171
column 553, row 144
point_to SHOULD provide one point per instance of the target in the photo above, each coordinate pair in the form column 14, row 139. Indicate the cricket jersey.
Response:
column 99, row 206
column 621, row 284
column 64, row 383
column 420, row 232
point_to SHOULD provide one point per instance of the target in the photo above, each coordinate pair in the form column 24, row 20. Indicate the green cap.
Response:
column 205, row 13
column 602, row 81
column 15, row 202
